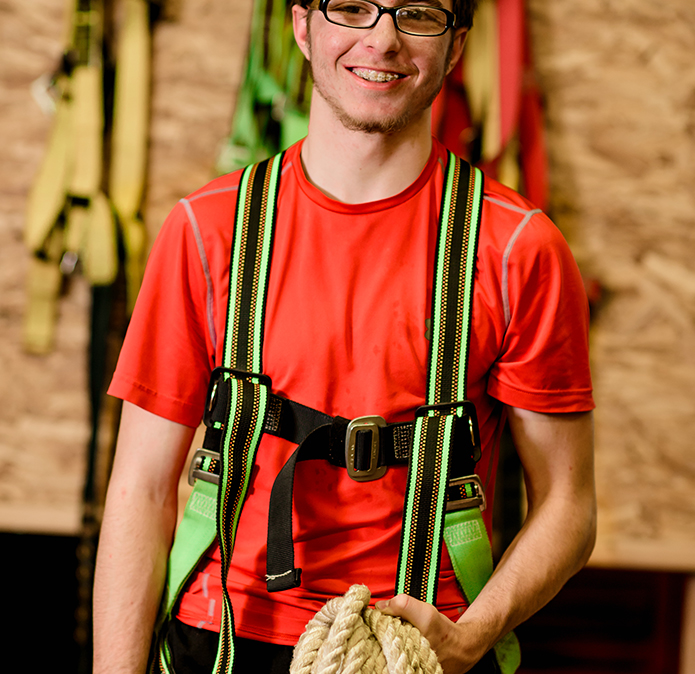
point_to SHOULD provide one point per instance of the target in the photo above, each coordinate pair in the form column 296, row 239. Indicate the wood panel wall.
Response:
column 620, row 90
column 620, row 94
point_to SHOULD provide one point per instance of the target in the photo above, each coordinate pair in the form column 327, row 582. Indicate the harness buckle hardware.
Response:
column 218, row 375
column 477, row 499
column 370, row 424
column 195, row 470
column 467, row 412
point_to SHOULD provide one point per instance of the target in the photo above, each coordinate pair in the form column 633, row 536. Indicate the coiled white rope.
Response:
column 347, row 637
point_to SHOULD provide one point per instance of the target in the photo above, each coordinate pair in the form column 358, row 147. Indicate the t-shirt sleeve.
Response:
column 167, row 355
column 543, row 365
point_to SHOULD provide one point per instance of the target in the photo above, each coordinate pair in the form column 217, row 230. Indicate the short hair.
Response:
column 463, row 10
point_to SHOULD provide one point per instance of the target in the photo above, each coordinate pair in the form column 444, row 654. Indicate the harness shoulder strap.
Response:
column 433, row 465
column 246, row 392
column 452, row 296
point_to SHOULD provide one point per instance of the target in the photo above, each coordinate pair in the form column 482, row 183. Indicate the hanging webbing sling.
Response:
column 273, row 103
column 240, row 407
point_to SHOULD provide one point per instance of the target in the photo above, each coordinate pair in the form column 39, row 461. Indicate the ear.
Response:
column 459, row 43
column 299, row 24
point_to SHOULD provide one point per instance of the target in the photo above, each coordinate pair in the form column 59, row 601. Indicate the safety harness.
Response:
column 72, row 221
column 272, row 107
column 444, row 497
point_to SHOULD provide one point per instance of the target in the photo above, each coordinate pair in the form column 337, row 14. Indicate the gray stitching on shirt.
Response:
column 206, row 271
column 510, row 207
column 219, row 190
column 505, row 260
column 203, row 256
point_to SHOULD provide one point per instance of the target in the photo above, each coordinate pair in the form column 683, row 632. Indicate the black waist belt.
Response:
column 324, row 437
column 364, row 446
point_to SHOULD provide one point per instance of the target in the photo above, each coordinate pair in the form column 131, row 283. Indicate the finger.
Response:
column 395, row 605
column 414, row 611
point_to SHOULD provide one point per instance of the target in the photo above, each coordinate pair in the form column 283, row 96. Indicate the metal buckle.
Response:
column 468, row 410
column 477, row 500
column 372, row 424
column 216, row 376
column 195, row 471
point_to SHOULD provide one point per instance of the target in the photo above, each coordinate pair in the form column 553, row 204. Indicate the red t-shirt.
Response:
column 349, row 293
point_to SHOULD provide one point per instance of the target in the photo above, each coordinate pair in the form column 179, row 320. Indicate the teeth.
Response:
column 375, row 75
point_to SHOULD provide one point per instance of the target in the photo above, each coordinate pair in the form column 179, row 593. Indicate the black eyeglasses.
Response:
column 421, row 20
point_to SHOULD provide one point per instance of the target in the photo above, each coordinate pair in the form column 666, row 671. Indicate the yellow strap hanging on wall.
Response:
column 481, row 74
column 508, row 170
column 47, row 196
column 44, row 281
column 130, row 138
column 87, row 130
column 131, row 111
column 100, row 250
column 69, row 217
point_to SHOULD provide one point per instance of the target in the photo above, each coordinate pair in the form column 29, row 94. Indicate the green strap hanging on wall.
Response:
column 273, row 101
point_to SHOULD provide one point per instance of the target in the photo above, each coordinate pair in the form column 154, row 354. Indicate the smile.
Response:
column 375, row 75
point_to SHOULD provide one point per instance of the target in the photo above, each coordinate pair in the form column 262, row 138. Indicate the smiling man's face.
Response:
column 376, row 80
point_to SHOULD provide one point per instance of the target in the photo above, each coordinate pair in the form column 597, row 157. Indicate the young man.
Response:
column 349, row 295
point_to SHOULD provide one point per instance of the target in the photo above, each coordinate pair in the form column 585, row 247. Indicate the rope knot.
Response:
column 347, row 637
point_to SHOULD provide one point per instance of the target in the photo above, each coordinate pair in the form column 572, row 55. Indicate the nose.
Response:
column 384, row 35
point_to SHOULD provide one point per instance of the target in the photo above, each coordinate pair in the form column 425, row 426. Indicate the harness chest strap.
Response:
column 365, row 446
column 248, row 400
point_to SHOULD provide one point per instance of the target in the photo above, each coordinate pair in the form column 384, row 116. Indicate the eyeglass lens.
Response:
column 414, row 19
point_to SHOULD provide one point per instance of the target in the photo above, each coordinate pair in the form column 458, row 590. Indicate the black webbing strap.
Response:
column 433, row 439
column 242, row 386
column 326, row 442
column 248, row 390
column 460, row 427
column 322, row 436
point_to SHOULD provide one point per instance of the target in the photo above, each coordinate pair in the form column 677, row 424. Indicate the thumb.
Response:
column 403, row 606
column 387, row 606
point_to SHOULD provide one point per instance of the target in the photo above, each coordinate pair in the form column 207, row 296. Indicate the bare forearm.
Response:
column 136, row 534
column 558, row 535
column 130, row 574
column 554, row 543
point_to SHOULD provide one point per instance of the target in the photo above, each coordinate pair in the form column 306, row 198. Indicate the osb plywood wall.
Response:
column 43, row 406
column 620, row 88
column 198, row 62
column 620, row 92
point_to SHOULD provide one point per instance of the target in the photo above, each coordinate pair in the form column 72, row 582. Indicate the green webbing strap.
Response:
column 242, row 435
column 471, row 557
column 272, row 107
column 248, row 402
column 423, row 512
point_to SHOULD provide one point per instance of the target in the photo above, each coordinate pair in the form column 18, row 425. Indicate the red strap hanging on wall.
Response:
column 516, row 114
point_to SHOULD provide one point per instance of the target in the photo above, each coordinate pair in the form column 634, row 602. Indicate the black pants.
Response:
column 193, row 651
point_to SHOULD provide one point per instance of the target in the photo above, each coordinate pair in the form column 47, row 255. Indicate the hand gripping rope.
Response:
column 348, row 636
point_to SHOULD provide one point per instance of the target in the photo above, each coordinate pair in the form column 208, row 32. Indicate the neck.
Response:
column 358, row 167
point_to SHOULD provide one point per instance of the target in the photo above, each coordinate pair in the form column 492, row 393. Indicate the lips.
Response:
column 375, row 75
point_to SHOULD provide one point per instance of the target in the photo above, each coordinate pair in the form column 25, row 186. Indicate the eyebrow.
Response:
column 430, row 3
